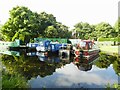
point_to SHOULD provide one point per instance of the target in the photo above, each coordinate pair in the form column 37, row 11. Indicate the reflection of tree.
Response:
column 29, row 66
column 13, row 81
column 116, row 66
column 104, row 61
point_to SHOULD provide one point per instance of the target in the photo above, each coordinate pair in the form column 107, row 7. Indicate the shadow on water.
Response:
column 38, row 68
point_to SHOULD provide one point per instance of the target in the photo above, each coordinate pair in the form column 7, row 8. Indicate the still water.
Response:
column 56, row 72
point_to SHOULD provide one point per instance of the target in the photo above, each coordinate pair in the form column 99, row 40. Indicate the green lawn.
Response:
column 109, row 49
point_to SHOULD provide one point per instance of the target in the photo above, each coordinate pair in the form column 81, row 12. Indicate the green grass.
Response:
column 109, row 49
column 13, row 81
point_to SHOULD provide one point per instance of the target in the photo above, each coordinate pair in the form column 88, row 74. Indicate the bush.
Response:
column 13, row 81
column 109, row 39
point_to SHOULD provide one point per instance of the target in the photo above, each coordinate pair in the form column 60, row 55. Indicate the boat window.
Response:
column 82, row 44
column 94, row 46
column 41, row 43
column 90, row 45
column 52, row 46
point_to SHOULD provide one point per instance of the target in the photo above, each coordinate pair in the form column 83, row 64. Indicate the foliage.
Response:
column 116, row 66
column 24, row 24
column 101, row 30
column 114, row 86
column 105, row 61
column 117, row 28
column 13, row 81
column 52, row 28
column 117, row 25
column 21, row 24
column 62, row 30
column 28, row 66
column 83, row 30
column 1, row 35
column 109, row 39
column 51, row 32
column 46, row 20
column 105, row 30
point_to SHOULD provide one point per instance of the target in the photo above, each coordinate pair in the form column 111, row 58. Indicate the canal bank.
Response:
column 111, row 50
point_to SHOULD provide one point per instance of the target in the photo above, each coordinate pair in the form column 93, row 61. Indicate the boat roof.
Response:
column 87, row 40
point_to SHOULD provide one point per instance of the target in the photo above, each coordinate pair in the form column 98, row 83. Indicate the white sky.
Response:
column 69, row 12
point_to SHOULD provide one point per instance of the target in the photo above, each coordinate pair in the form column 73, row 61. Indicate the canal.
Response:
column 34, row 70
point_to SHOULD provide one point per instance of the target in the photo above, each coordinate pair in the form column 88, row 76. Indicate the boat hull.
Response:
column 87, row 54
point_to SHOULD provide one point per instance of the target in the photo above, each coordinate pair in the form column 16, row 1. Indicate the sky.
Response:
column 68, row 12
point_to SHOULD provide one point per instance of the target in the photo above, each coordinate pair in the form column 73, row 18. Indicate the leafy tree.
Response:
column 52, row 28
column 1, row 35
column 29, row 66
column 13, row 81
column 117, row 27
column 116, row 66
column 62, row 30
column 57, row 30
column 83, row 30
column 46, row 20
column 51, row 32
column 21, row 20
column 104, row 61
column 104, row 30
column 24, row 24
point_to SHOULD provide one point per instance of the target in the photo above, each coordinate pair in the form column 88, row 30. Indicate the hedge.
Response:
column 110, row 39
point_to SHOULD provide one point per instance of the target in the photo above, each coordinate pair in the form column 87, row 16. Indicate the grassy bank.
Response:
column 109, row 49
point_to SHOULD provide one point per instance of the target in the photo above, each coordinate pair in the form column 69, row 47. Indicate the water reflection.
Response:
column 70, row 76
column 42, row 70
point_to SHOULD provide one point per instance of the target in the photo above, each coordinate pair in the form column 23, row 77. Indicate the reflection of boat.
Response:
column 31, row 53
column 43, row 46
column 86, row 49
column 64, row 53
column 82, row 65
column 44, row 57
column 49, row 46
column 16, row 43
column 16, row 53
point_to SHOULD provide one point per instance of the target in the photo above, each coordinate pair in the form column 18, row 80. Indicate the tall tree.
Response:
column 104, row 30
column 46, row 20
column 52, row 28
column 1, row 35
column 117, row 27
column 83, row 30
column 22, row 20
column 51, row 32
column 62, row 30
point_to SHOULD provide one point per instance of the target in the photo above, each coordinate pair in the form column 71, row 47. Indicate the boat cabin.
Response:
column 85, row 45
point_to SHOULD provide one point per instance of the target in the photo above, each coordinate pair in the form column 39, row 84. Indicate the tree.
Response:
column 1, row 35
column 21, row 20
column 24, row 24
column 51, row 32
column 84, row 30
column 62, row 30
column 46, row 20
column 104, row 61
column 52, row 28
column 117, row 27
column 116, row 65
column 104, row 30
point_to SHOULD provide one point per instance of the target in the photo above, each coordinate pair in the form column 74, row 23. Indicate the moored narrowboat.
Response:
column 86, row 49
